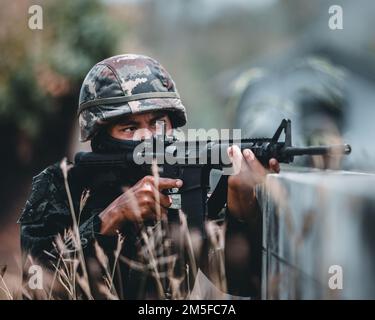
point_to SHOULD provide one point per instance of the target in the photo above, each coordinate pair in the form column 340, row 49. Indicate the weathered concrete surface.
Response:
column 311, row 221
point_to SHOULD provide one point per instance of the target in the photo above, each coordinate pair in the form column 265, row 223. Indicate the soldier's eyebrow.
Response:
column 158, row 116
column 128, row 122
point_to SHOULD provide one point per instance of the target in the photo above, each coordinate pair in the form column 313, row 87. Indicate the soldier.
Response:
column 123, row 97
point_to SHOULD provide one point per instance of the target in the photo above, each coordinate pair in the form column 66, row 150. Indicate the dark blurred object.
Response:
column 319, row 93
column 326, row 91
column 309, row 90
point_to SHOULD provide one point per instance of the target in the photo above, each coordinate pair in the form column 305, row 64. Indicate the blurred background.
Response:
column 237, row 63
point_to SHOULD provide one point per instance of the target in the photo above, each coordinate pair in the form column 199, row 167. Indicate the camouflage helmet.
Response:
column 126, row 84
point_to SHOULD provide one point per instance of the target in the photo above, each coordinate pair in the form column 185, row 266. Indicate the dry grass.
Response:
column 69, row 277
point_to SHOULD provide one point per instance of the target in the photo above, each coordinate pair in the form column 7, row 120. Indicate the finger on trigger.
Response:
column 274, row 165
column 235, row 156
column 167, row 183
column 252, row 161
column 256, row 167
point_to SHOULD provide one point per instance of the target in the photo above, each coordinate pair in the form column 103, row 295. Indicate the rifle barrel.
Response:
column 319, row 150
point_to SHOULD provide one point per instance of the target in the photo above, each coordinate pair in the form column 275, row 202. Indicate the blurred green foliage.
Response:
column 42, row 69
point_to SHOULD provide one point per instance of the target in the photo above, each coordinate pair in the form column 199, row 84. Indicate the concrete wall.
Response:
column 311, row 221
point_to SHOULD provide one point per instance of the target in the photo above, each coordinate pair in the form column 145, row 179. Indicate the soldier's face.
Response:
column 139, row 126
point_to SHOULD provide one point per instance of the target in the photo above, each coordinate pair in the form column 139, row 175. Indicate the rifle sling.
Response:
column 218, row 198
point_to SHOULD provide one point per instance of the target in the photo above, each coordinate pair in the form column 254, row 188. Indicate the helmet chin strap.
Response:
column 103, row 142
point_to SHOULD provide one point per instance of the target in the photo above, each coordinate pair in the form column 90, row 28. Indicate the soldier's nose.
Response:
column 143, row 133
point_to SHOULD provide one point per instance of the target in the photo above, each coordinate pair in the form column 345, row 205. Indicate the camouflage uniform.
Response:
column 115, row 87
column 118, row 86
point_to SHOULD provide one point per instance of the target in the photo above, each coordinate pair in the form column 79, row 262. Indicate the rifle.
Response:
column 188, row 166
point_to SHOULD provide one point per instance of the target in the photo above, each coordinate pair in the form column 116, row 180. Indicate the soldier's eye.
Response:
column 128, row 129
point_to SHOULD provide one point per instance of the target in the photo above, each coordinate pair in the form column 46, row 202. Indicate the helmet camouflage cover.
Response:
column 126, row 84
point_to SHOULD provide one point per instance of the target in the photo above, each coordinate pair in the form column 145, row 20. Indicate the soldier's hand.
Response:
column 241, row 196
column 143, row 201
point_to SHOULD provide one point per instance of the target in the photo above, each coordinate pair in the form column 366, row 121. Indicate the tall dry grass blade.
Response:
column 63, row 251
column 65, row 168
column 107, row 293
column 216, row 238
column 3, row 269
column 188, row 241
column 5, row 288
column 103, row 261
column 84, row 197
column 145, row 239
column 155, row 173
column 54, row 274
column 25, row 293
column 84, row 285
column 120, row 241
column 102, row 258
column 153, row 264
